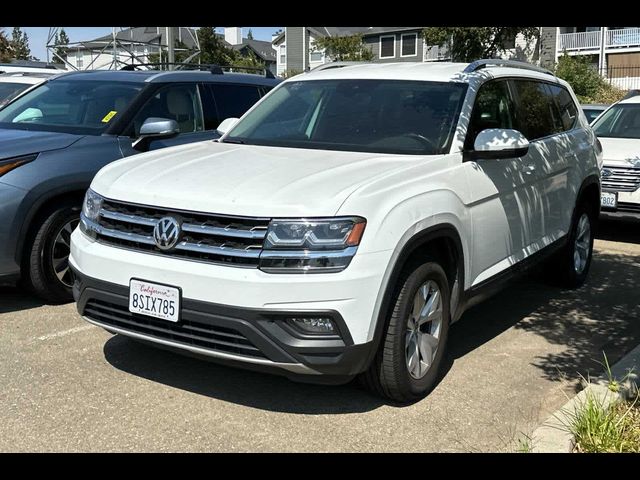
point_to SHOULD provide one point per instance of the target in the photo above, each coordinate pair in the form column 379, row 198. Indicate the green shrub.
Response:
column 585, row 80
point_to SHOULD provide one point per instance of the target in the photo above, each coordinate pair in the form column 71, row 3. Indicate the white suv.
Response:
column 345, row 221
column 618, row 128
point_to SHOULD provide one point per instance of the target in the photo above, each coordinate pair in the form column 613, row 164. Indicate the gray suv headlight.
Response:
column 322, row 245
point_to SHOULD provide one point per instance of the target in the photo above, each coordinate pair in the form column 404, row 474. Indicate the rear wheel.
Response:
column 47, row 262
column 407, row 365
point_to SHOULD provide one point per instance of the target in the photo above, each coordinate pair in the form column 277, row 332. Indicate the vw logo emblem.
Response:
column 606, row 173
column 166, row 233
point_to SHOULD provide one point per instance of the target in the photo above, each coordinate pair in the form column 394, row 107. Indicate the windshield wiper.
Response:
column 233, row 141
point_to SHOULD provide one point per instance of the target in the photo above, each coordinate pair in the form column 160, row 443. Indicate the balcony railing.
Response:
column 624, row 37
column 619, row 38
column 579, row 41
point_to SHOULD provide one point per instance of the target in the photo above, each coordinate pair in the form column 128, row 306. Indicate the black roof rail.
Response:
column 214, row 69
column 496, row 62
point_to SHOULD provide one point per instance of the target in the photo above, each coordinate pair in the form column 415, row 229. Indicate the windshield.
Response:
column 386, row 116
column 620, row 121
column 10, row 90
column 81, row 107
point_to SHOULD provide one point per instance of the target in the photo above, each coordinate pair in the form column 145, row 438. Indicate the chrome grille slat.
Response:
column 621, row 179
column 221, row 239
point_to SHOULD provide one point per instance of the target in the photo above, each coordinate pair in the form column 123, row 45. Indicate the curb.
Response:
column 553, row 437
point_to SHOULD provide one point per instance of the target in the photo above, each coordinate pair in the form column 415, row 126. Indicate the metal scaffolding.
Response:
column 122, row 50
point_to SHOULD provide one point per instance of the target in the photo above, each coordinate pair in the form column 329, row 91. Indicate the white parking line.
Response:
column 66, row 332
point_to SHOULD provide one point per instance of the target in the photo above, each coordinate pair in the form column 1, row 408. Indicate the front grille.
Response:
column 211, row 238
column 187, row 331
column 621, row 179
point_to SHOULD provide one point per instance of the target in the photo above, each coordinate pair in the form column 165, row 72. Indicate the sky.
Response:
column 38, row 35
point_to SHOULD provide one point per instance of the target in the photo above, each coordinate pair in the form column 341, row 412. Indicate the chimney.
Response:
column 233, row 35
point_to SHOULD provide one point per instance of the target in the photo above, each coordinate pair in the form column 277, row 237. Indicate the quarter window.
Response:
column 388, row 46
column 493, row 109
column 534, row 109
column 409, row 44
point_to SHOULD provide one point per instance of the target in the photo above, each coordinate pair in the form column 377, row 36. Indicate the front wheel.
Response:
column 407, row 365
column 574, row 260
column 47, row 263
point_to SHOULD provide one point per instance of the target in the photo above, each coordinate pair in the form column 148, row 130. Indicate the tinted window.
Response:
column 387, row 116
column 176, row 102
column 234, row 100
column 534, row 109
column 82, row 106
column 567, row 110
column 620, row 121
column 493, row 109
column 10, row 90
column 387, row 47
column 592, row 113
column 409, row 45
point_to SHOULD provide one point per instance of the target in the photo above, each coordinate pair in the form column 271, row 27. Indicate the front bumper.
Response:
column 628, row 206
column 234, row 315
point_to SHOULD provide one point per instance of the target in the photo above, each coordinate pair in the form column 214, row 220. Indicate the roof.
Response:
column 635, row 99
column 148, row 35
column 595, row 105
column 158, row 76
column 27, row 80
column 37, row 76
column 425, row 71
column 261, row 48
column 347, row 31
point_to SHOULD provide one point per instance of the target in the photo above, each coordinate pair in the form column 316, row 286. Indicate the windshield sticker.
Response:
column 109, row 116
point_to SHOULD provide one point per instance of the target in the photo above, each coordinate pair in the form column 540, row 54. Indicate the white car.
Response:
column 618, row 129
column 13, row 84
column 345, row 221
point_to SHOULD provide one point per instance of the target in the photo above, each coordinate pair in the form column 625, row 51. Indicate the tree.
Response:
column 472, row 43
column 61, row 39
column 250, row 35
column 19, row 45
column 5, row 50
column 585, row 81
column 212, row 48
column 250, row 60
column 345, row 49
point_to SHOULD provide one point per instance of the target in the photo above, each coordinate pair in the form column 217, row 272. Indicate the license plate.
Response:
column 154, row 300
column 609, row 199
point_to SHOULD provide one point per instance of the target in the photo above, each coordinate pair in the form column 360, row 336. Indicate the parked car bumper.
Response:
column 236, row 315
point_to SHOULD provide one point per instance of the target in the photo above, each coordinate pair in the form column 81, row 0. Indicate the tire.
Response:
column 571, row 265
column 45, row 251
column 389, row 374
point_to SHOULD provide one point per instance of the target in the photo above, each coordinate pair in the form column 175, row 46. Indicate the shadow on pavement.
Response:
column 619, row 230
column 601, row 316
column 14, row 299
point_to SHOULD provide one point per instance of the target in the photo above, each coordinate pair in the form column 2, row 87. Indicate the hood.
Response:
column 245, row 179
column 621, row 151
column 14, row 143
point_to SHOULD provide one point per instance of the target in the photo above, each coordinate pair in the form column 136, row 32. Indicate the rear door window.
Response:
column 233, row 100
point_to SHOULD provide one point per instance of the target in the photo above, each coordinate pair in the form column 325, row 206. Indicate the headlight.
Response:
column 11, row 163
column 91, row 205
column 311, row 245
column 90, row 211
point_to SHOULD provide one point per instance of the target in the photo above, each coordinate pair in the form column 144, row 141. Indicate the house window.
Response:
column 409, row 45
column 283, row 54
column 79, row 59
column 387, row 46
column 316, row 56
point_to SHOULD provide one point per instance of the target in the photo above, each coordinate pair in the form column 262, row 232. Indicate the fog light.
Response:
column 317, row 325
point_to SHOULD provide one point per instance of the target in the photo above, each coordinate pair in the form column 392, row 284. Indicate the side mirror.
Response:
column 494, row 143
column 226, row 125
column 154, row 128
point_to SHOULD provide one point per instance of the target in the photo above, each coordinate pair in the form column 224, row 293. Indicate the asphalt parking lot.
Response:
column 70, row 386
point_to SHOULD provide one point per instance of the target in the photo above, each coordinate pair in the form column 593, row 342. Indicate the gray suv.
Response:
column 54, row 138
